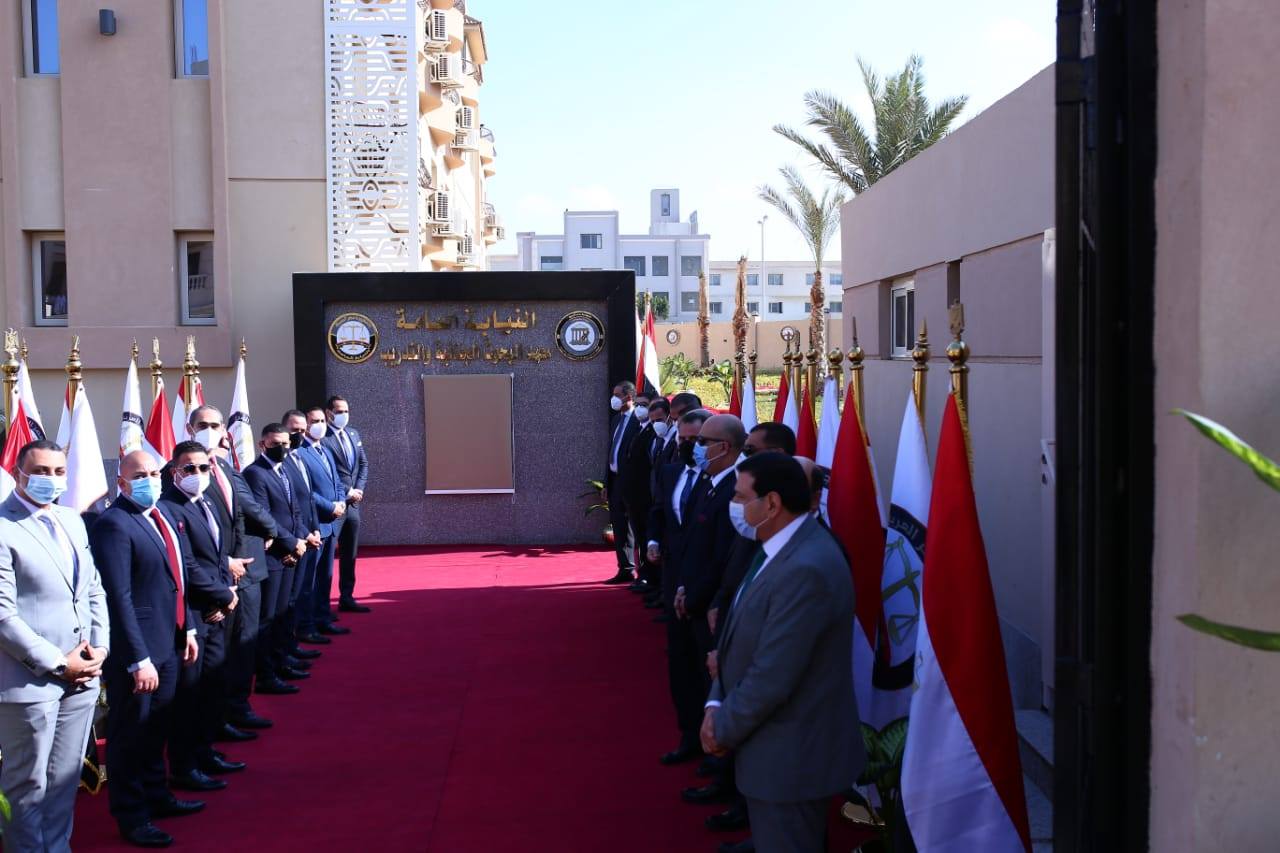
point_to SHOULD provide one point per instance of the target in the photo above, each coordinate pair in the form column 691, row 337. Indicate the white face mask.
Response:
column 642, row 412
column 661, row 428
column 194, row 484
column 340, row 420
column 209, row 438
column 317, row 430
column 615, row 403
column 738, row 517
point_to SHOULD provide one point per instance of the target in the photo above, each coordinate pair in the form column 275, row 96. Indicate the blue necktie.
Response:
column 684, row 494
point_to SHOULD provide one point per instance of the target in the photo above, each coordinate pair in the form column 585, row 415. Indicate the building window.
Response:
column 191, row 37
column 551, row 262
column 753, row 279
column 775, row 279
column 195, row 281
column 775, row 307
column 40, row 36
column 903, row 302
column 660, row 265
column 666, row 205
column 689, row 303
column 715, row 307
column 808, row 306
column 808, row 279
column 835, row 307
column 690, row 264
column 837, row 279
column 635, row 263
column 49, row 278
column 753, row 307
column 590, row 241
column 715, row 279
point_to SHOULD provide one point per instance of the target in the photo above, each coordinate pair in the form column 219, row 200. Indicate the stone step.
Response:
column 1035, row 748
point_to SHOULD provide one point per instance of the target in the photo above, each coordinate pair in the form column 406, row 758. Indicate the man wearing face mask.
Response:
column 680, row 486
column 636, row 473
column 54, row 637
column 353, row 471
column 144, row 565
column 211, row 588
column 623, row 427
column 319, row 471
column 783, row 700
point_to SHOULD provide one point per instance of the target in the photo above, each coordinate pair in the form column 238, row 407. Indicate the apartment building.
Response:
column 784, row 294
column 667, row 260
column 167, row 165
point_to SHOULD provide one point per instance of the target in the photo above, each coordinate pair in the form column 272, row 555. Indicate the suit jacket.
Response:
column 44, row 611
column 710, row 538
column 209, row 577
column 253, row 525
column 269, row 492
column 786, row 675
column 326, row 488
column 635, row 469
column 735, row 569
column 352, row 474
column 669, row 532
column 141, row 591
column 628, row 433
column 666, row 455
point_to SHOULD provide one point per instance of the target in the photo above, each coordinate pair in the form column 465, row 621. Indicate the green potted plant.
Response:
column 597, row 491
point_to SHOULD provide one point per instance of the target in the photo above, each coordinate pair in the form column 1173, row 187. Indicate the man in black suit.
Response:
column 681, row 405
column 278, row 487
column 623, row 427
column 636, row 473
column 680, row 485
column 353, row 471
column 211, row 589
column 144, row 564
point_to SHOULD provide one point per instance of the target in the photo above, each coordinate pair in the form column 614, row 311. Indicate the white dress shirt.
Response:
column 146, row 513
column 619, row 431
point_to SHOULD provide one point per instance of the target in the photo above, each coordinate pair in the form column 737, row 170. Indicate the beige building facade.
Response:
column 168, row 179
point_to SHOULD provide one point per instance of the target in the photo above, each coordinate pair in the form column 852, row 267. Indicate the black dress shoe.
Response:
column 684, row 752
column 730, row 820
column 230, row 734
column 662, row 618
column 305, row 654
column 350, row 605
column 251, row 721
column 173, row 807
column 653, row 604
column 289, row 674
column 333, row 630
column 146, row 835
column 296, row 663
column 713, row 793
column 623, row 576
column 744, row 846
column 639, row 586
column 218, row 766
column 314, row 639
column 196, row 780
column 274, row 687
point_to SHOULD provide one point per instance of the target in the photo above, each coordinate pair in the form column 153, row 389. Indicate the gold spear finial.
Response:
column 22, row 350
column 244, row 350
column 835, row 369
column 157, row 367
column 920, row 370
column 958, row 355
column 133, row 351
column 74, row 368
column 856, row 356
column 10, row 368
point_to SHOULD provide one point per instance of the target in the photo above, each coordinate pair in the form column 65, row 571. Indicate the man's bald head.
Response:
column 817, row 480
column 137, row 463
column 727, row 428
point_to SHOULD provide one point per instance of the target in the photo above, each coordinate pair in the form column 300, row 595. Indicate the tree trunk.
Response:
column 704, row 320
column 817, row 316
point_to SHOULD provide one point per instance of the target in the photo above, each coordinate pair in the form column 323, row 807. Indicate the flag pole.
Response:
column 157, row 368
column 958, row 355
column 10, row 367
column 856, row 355
column 811, row 373
column 835, row 370
column 786, row 367
column 920, row 370
column 752, row 359
column 75, row 373
column 190, row 373
column 133, row 352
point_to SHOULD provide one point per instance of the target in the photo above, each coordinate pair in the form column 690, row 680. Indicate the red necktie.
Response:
column 222, row 483
column 175, row 565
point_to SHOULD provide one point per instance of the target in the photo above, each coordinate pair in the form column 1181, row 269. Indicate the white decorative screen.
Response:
column 371, row 120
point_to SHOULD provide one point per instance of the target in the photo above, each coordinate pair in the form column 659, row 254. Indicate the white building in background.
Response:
column 785, row 292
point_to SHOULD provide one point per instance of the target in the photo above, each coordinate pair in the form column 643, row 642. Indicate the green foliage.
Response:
column 1268, row 472
column 722, row 375
column 661, row 306
column 885, row 749
column 676, row 371
column 5, row 808
column 905, row 124
column 817, row 218
column 597, row 490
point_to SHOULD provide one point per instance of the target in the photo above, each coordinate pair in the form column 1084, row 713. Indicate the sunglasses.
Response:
column 192, row 468
column 704, row 440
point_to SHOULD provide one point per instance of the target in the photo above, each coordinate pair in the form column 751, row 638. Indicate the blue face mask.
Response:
column 44, row 489
column 145, row 491
column 700, row 460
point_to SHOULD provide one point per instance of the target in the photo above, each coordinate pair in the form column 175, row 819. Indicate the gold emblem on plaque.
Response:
column 353, row 338
column 580, row 335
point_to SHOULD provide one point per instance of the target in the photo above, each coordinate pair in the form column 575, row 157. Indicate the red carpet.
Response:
column 495, row 700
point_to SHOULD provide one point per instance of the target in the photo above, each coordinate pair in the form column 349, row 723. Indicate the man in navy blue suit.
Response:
column 623, row 426
column 144, row 564
column 353, row 472
column 329, row 499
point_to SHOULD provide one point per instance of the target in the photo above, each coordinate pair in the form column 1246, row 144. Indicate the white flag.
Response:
column 182, row 408
column 131, row 425
column 86, row 477
column 791, row 414
column 830, row 426
column 239, row 428
column 903, row 563
column 28, row 398
column 750, row 420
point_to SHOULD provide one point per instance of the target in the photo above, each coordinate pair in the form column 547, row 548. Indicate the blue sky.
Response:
column 594, row 103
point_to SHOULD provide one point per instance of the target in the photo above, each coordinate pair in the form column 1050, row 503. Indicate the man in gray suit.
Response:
column 783, row 700
column 54, row 638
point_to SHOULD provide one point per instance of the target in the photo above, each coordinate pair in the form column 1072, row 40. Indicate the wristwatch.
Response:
column 61, row 669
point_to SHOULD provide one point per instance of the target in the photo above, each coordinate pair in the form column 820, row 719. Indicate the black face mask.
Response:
column 686, row 452
column 276, row 454
column 295, row 440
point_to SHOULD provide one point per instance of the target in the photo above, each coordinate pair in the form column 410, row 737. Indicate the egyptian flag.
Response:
column 961, row 776
column 239, row 429
column 647, row 380
column 182, row 407
column 735, row 401
column 853, row 505
column 16, row 438
column 806, row 436
column 780, row 407
column 750, row 420
column 828, row 431
column 28, row 398
column 131, row 427
column 159, row 436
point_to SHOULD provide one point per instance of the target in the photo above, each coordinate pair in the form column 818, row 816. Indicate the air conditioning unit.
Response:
column 466, row 247
column 440, row 206
column 466, row 118
column 500, row 232
column 437, row 30
column 464, row 139
column 447, row 71
column 445, row 229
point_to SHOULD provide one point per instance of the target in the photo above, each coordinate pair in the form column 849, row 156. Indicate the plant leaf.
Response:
column 1267, row 641
column 1266, row 469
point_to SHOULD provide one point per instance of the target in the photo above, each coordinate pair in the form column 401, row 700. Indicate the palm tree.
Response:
column 704, row 321
column 817, row 218
column 905, row 125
